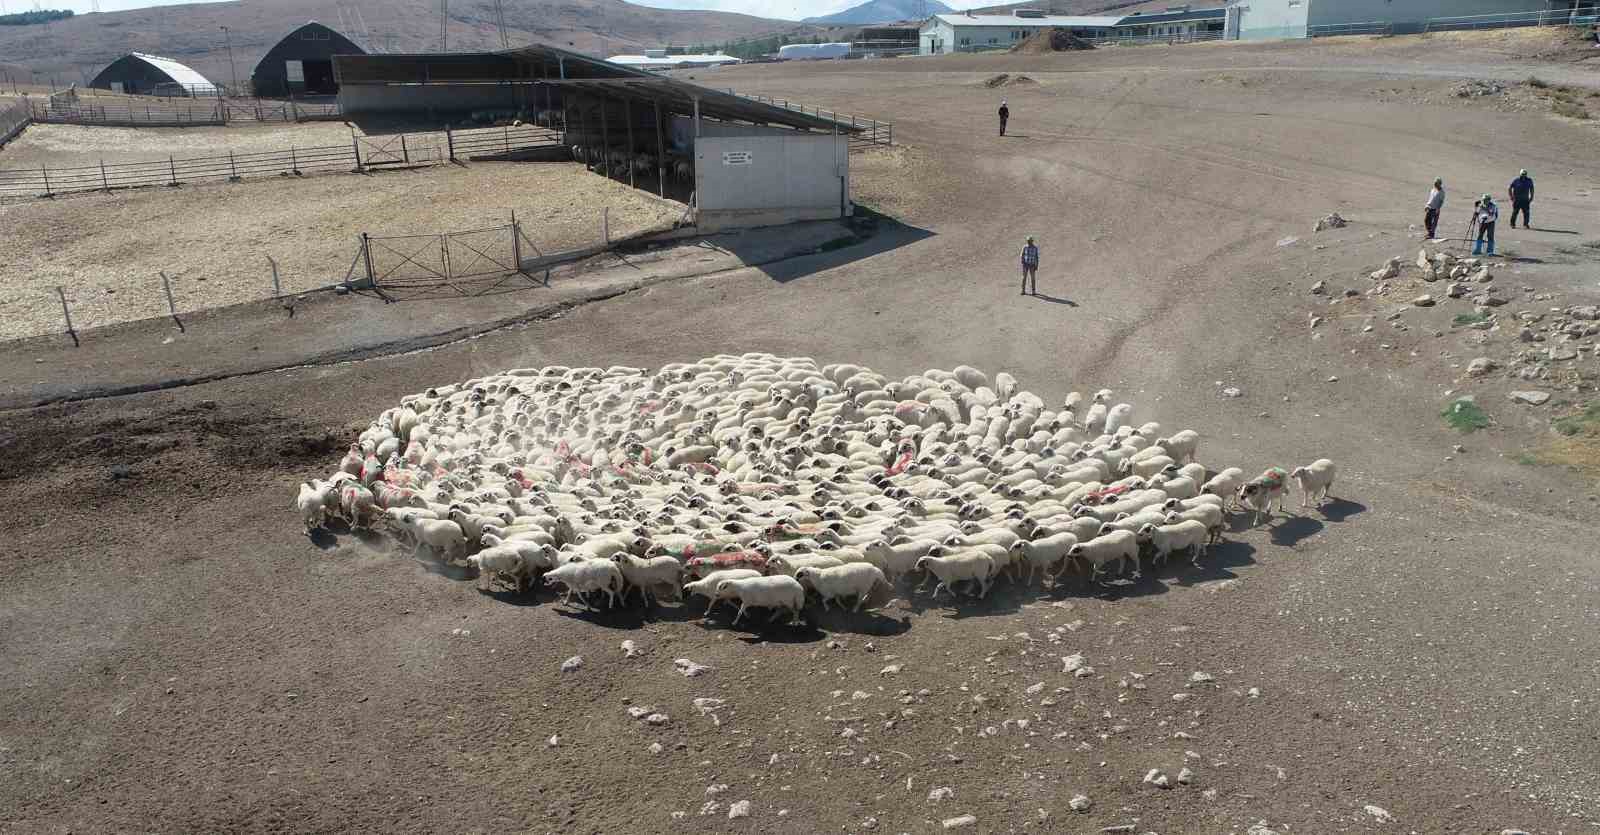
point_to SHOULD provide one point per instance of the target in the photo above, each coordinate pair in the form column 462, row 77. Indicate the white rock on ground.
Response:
column 1080, row 803
column 572, row 664
column 941, row 793
column 1531, row 398
column 739, row 810
column 1378, row 813
column 958, row 823
column 689, row 668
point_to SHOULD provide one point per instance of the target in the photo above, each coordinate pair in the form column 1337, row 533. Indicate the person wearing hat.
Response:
column 1430, row 210
column 1030, row 266
column 1487, row 214
column 1005, row 113
column 1521, row 193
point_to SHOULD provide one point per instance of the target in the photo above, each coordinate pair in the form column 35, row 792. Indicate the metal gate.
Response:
column 474, row 262
column 399, row 149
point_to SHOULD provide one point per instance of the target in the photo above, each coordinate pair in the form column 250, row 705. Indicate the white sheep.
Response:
column 500, row 564
column 1314, row 480
column 1117, row 546
column 965, row 566
column 585, row 576
column 857, row 579
column 1039, row 555
column 1182, row 446
column 1209, row 515
column 313, row 501
column 1181, row 536
column 707, row 587
column 442, row 536
column 646, row 575
column 898, row 558
column 775, row 593
column 1224, row 484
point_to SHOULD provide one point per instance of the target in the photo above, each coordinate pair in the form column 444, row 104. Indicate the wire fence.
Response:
column 151, row 112
column 868, row 132
column 13, row 118
column 1169, row 39
column 362, row 153
column 1580, row 16
column 1365, row 27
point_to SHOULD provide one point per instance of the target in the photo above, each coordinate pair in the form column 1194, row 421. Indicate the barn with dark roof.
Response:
column 302, row 63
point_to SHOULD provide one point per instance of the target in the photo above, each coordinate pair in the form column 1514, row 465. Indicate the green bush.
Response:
column 1465, row 416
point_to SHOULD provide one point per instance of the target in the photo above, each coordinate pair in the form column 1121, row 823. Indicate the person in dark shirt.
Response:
column 1005, row 114
column 1521, row 193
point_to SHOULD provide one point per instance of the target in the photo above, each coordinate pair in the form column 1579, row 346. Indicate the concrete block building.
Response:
column 1254, row 19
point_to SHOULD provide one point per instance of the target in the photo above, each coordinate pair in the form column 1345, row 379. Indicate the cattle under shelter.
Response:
column 302, row 63
column 737, row 161
column 150, row 75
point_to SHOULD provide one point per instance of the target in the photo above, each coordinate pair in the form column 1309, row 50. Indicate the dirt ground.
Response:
column 76, row 146
column 108, row 250
column 180, row 656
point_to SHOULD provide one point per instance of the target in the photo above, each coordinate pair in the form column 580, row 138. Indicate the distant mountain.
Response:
column 884, row 11
column 77, row 48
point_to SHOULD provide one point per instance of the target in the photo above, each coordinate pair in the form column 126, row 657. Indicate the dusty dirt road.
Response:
column 181, row 657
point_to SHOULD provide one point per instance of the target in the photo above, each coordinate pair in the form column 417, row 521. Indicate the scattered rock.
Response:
column 1315, row 321
column 1254, row 693
column 1333, row 379
column 1319, row 288
column 706, row 705
column 1332, row 221
column 689, row 668
column 1156, row 778
column 1200, row 678
column 572, row 664
column 1488, row 299
column 657, row 719
column 1423, row 301
column 890, row 670
column 1589, row 312
column 655, row 748
column 1388, row 270
column 1080, row 803
column 1072, row 663
column 941, row 793
column 1532, row 398
column 1185, row 776
column 1561, row 353
column 1232, row 392
column 1378, row 813
column 962, row 821
column 629, row 650
column 739, row 810
column 554, row 740
column 1527, row 335
column 1456, row 290
column 1481, row 366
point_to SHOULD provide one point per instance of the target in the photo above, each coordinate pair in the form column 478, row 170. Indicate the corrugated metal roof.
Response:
column 646, row 61
column 191, row 80
column 1014, row 22
column 1218, row 13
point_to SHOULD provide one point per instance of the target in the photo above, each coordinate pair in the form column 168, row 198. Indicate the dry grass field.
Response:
column 1418, row 656
column 74, row 146
column 213, row 240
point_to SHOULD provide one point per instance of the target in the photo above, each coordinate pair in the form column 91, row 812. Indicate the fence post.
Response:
column 505, row 134
column 172, row 170
column 356, row 144
column 450, row 141
column 605, row 225
column 46, row 172
column 516, row 241
column 172, row 307
column 405, row 154
column 294, row 162
column 67, row 314
column 103, row 181
column 277, row 291
column 232, row 167
column 366, row 255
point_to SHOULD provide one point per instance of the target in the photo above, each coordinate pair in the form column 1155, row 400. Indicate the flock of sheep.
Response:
column 768, row 480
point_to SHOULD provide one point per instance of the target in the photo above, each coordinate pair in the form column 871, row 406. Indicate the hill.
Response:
column 884, row 11
column 78, row 47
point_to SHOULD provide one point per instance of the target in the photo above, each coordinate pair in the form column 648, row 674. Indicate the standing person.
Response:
column 1005, row 113
column 1430, row 213
column 1488, row 213
column 1030, row 266
column 1521, row 193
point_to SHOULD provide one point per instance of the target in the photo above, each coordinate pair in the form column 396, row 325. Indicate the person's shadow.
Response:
column 1045, row 297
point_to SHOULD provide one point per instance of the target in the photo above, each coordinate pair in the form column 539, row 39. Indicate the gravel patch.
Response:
column 213, row 240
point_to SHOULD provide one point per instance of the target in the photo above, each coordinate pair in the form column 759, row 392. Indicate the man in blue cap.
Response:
column 1486, row 213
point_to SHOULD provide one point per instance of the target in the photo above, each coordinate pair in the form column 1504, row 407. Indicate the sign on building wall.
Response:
column 736, row 158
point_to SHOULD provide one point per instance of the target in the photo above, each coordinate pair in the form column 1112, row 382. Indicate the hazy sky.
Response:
column 787, row 9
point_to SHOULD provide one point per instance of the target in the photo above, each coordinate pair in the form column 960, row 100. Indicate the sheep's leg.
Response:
column 940, row 586
column 739, row 614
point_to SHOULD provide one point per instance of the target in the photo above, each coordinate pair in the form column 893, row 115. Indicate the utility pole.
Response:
column 500, row 20
column 227, row 38
column 444, row 25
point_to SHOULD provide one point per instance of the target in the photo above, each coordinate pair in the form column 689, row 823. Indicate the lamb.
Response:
column 313, row 501
column 775, row 593
column 1258, row 493
column 1097, row 553
column 973, row 566
column 857, row 579
column 1043, row 553
column 1315, row 479
column 499, row 564
column 584, row 576
column 648, row 574
column 707, row 587
column 1180, row 536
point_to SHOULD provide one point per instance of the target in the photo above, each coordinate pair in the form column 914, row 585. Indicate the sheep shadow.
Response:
column 448, row 570
column 1217, row 564
column 754, row 629
column 844, row 621
column 1293, row 530
column 323, row 539
column 511, row 597
column 1340, row 510
column 622, row 618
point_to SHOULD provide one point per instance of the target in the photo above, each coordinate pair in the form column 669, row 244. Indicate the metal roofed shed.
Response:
column 658, row 59
column 736, row 161
column 151, row 75
column 302, row 63
column 966, row 32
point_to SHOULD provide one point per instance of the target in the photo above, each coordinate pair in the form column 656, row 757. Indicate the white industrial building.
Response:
column 1253, row 19
column 967, row 32
column 658, row 59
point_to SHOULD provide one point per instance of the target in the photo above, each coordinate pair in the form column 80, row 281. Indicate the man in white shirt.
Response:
column 1487, row 214
column 1430, row 214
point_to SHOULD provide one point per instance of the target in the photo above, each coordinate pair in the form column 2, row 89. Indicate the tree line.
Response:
column 35, row 17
